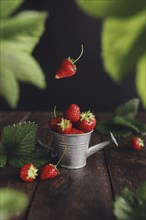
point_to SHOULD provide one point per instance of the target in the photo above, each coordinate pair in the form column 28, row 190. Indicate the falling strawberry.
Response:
column 50, row 171
column 136, row 143
column 87, row 122
column 72, row 113
column 54, row 120
column 68, row 67
column 76, row 131
column 28, row 172
column 64, row 127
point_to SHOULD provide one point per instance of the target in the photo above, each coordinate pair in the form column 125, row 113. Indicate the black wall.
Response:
column 91, row 88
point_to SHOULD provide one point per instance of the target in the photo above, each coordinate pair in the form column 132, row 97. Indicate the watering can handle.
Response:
column 48, row 146
column 99, row 146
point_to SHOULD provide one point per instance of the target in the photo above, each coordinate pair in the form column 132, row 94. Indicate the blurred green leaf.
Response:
column 23, row 31
column 110, row 7
column 19, row 36
column 127, row 110
column 141, row 79
column 9, row 87
column 123, row 37
column 7, row 7
column 12, row 203
column 122, row 44
column 131, row 206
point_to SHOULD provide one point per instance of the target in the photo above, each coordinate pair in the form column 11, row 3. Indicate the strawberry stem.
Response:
column 54, row 112
column 61, row 157
column 81, row 53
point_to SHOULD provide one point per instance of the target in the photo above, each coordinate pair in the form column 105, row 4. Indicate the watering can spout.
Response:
column 99, row 146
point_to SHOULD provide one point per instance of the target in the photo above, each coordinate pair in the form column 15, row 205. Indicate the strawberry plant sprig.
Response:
column 123, row 122
column 18, row 145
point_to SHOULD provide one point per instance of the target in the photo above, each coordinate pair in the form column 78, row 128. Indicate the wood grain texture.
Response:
column 83, row 194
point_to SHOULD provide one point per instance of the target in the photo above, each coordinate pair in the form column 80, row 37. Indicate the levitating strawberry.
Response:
column 72, row 113
column 76, row 131
column 87, row 122
column 50, row 171
column 136, row 143
column 28, row 172
column 64, row 127
column 68, row 67
column 54, row 120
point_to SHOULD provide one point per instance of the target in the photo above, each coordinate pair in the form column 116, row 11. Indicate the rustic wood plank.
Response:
column 126, row 167
column 76, row 194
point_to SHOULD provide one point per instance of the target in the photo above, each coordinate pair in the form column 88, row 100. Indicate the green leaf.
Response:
column 3, row 159
column 18, row 162
column 131, row 206
column 23, row 31
column 127, row 110
column 105, row 127
column 19, row 36
column 23, row 66
column 9, row 87
column 110, row 7
column 12, row 203
column 141, row 79
column 140, row 125
column 8, row 7
column 125, row 122
column 19, row 139
column 122, row 44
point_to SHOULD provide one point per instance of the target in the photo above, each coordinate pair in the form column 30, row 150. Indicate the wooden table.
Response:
column 84, row 194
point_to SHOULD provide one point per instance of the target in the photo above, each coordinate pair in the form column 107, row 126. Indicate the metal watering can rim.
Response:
column 71, row 135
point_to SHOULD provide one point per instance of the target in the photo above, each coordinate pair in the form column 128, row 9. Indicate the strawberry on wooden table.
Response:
column 136, row 143
column 68, row 67
column 72, row 113
column 28, row 172
column 64, row 127
column 50, row 171
column 87, row 122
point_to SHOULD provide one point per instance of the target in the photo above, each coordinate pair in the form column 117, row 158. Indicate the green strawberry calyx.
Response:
column 141, row 142
column 87, row 116
column 81, row 53
column 64, row 124
column 32, row 172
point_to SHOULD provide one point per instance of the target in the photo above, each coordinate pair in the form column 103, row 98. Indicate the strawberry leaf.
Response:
column 19, row 36
column 141, row 79
column 105, row 127
column 12, row 203
column 110, row 8
column 131, row 206
column 18, row 162
column 3, row 160
column 127, row 110
column 19, row 139
column 122, row 121
column 7, row 8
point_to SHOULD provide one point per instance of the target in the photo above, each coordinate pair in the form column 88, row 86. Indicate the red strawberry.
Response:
column 28, row 172
column 54, row 120
column 76, row 131
column 72, row 113
column 50, row 171
column 64, row 127
column 136, row 143
column 68, row 67
column 87, row 122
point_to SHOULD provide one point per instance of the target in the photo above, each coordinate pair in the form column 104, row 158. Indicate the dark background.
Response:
column 91, row 88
